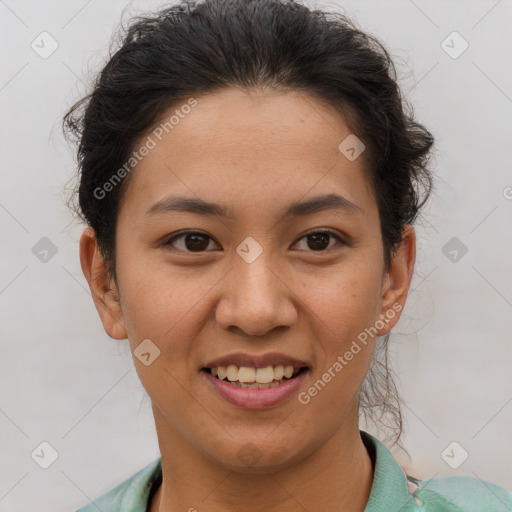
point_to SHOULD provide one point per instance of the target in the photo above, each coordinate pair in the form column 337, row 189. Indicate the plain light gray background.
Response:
column 64, row 381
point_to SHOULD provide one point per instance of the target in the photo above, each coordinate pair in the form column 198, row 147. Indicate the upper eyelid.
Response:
column 187, row 232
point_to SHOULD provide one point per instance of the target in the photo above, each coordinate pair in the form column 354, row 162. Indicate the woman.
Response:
column 250, row 177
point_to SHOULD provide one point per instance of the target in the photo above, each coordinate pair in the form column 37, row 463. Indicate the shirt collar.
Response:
column 389, row 489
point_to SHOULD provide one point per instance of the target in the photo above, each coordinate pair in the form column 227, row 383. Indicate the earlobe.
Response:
column 103, row 292
column 397, row 280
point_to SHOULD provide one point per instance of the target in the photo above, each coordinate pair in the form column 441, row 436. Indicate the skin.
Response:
column 254, row 152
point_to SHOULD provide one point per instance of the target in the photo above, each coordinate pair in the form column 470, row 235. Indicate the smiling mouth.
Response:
column 255, row 378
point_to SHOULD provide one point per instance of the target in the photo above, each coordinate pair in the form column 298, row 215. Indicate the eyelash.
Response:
column 325, row 231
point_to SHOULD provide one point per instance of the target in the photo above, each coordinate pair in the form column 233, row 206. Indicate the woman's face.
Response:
column 250, row 288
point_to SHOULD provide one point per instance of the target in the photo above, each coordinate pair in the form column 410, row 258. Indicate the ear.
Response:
column 397, row 280
column 95, row 271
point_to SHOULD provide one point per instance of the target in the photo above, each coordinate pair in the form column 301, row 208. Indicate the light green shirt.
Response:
column 392, row 490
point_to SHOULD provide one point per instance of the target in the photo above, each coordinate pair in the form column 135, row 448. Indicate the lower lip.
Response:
column 255, row 398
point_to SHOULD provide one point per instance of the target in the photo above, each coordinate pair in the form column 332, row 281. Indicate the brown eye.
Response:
column 192, row 241
column 319, row 240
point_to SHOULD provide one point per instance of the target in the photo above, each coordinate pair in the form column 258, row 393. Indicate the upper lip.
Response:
column 255, row 361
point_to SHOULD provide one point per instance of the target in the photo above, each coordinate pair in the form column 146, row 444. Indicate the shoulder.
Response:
column 394, row 490
column 459, row 493
column 132, row 494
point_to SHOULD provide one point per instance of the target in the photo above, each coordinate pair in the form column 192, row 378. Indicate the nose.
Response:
column 256, row 299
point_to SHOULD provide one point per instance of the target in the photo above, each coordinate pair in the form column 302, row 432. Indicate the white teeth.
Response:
column 246, row 374
column 232, row 372
column 255, row 385
column 265, row 375
column 288, row 371
column 253, row 378
column 278, row 372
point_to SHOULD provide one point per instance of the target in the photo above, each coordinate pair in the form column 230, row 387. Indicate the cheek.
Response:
column 348, row 299
column 161, row 303
column 346, row 307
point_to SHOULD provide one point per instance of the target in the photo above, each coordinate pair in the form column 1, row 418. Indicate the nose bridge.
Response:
column 253, row 264
column 255, row 300
column 256, row 279
column 254, row 283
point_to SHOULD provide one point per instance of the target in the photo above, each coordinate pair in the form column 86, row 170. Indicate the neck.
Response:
column 335, row 476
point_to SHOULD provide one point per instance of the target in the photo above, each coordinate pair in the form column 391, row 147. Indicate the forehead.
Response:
column 246, row 145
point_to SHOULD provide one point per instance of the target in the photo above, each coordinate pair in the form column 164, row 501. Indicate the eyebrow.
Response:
column 296, row 209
